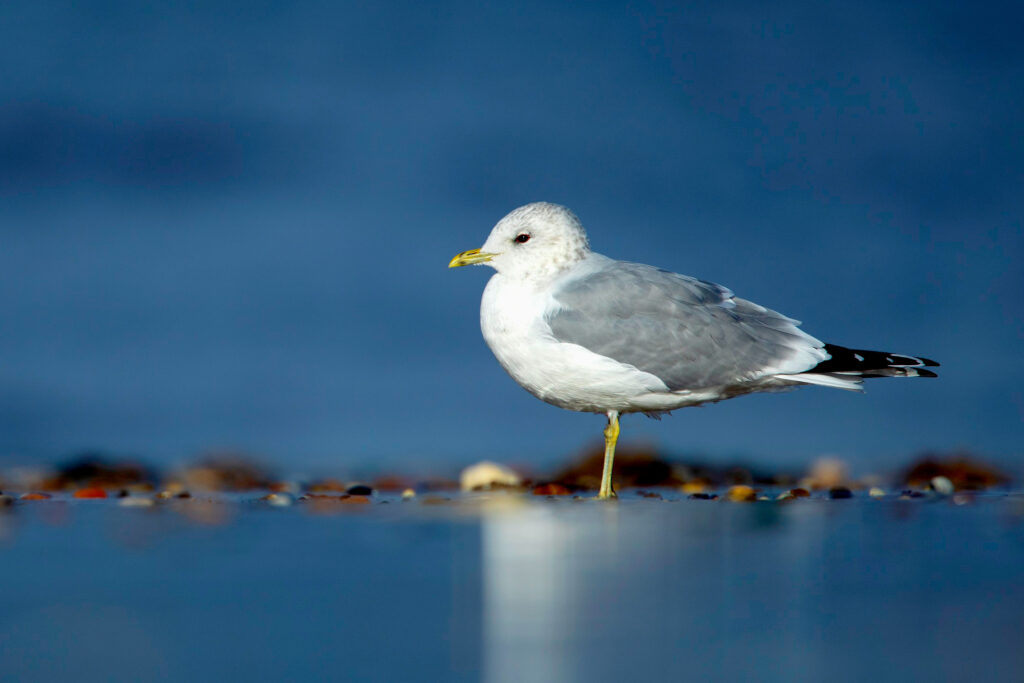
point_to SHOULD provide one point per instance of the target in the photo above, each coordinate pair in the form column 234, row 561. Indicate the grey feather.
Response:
column 689, row 333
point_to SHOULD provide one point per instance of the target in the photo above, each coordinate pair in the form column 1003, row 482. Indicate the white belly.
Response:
column 566, row 375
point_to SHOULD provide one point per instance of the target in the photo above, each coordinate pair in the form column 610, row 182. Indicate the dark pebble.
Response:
column 5, row 500
column 359, row 490
column 839, row 493
column 909, row 493
column 703, row 496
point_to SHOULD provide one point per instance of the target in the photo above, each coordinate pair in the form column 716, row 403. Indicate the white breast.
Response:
column 566, row 375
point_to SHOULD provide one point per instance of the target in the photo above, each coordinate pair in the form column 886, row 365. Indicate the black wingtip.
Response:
column 874, row 363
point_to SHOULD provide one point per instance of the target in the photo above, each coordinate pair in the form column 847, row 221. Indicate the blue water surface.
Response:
column 498, row 589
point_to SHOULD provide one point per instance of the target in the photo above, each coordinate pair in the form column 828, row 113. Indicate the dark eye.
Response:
column 523, row 238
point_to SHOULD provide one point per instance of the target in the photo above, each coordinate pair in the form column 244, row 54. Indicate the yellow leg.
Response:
column 611, row 437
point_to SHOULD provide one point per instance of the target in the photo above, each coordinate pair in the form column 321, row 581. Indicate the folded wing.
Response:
column 689, row 333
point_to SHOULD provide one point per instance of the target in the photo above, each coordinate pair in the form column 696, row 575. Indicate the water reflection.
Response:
column 769, row 592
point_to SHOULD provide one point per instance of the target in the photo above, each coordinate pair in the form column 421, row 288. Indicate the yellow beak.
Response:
column 470, row 258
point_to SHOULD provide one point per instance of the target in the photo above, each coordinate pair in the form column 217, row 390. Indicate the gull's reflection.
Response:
column 575, row 591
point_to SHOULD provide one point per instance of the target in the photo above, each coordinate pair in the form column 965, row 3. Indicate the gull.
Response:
column 588, row 333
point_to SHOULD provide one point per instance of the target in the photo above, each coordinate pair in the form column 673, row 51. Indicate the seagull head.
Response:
column 534, row 242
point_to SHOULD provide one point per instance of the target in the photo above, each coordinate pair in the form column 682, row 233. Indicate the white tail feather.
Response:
column 844, row 383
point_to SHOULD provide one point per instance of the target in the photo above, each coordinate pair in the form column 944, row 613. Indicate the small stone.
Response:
column 702, row 496
column 551, row 490
column 183, row 494
column 136, row 502
column 6, row 500
column 356, row 500
column 486, row 474
column 280, row 500
column 942, row 486
column 741, row 493
column 326, row 486
column 876, row 492
column 649, row 494
column 408, row 494
column 827, row 472
column 840, row 493
column 164, row 495
column 91, row 492
column 694, row 486
column 359, row 490
column 35, row 496
column 910, row 493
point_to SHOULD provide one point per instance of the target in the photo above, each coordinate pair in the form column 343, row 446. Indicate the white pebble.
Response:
column 135, row 502
column 281, row 500
column 942, row 486
column 487, row 474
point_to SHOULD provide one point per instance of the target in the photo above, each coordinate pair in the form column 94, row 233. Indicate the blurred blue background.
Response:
column 227, row 225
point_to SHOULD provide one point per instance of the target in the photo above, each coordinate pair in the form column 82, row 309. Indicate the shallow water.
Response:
column 503, row 587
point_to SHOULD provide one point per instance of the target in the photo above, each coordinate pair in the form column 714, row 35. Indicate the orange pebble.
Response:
column 348, row 499
column 90, row 493
column 551, row 490
column 35, row 496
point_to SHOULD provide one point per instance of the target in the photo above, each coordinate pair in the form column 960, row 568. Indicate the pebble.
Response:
column 551, row 490
column 92, row 492
column 827, row 472
column 408, row 494
column 876, row 492
column 693, row 486
column 840, row 493
column 942, row 486
column 910, row 493
column 35, row 496
column 281, row 500
column 173, row 493
column 359, row 490
column 741, row 494
column 702, row 496
column 793, row 494
column 348, row 499
column 326, row 486
column 486, row 474
column 136, row 502
column 6, row 500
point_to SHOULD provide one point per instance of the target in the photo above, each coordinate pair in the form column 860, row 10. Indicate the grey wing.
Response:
column 689, row 333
